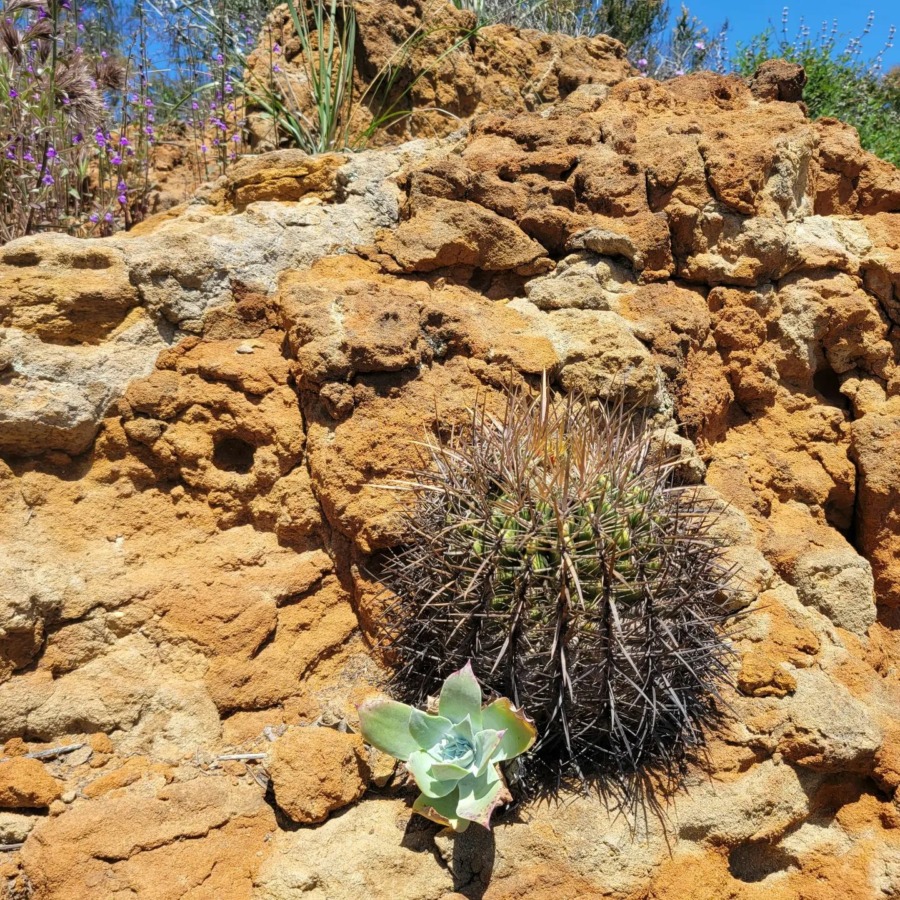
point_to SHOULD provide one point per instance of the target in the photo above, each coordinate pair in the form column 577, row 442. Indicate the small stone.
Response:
column 79, row 757
column 244, row 348
column 15, row 827
column 15, row 747
column 316, row 771
column 68, row 797
column 100, row 742
column 382, row 767
column 25, row 784
column 57, row 808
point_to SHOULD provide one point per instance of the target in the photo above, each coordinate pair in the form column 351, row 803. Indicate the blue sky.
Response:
column 748, row 17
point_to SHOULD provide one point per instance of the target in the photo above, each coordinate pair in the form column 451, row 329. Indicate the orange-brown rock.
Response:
column 26, row 784
column 203, row 837
column 132, row 770
column 39, row 294
column 316, row 771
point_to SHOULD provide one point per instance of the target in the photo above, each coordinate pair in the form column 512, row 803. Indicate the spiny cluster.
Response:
column 552, row 548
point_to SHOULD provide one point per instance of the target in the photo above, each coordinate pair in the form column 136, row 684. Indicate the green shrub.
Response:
column 840, row 82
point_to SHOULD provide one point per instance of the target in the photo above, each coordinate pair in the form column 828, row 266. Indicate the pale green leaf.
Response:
column 478, row 795
column 427, row 729
column 441, row 810
column 461, row 697
column 519, row 730
column 385, row 725
column 465, row 730
column 486, row 742
column 449, row 772
column 420, row 766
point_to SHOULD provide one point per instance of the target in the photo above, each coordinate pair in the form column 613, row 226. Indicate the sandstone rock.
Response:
column 132, row 770
column 316, row 771
column 15, row 827
column 817, row 739
column 26, row 784
column 349, row 855
column 53, row 397
column 168, row 276
column 504, row 68
column 876, row 448
column 445, row 235
column 778, row 79
column 38, row 294
column 202, row 837
column 838, row 584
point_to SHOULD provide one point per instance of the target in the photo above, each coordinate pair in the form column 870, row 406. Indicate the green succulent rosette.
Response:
column 453, row 756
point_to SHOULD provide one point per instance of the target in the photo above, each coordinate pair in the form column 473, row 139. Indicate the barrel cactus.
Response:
column 552, row 547
column 453, row 756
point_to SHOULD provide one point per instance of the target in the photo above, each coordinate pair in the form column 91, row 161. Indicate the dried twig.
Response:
column 49, row 753
column 240, row 756
column 54, row 751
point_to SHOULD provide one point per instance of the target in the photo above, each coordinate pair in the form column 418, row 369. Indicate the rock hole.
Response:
column 752, row 863
column 828, row 383
column 232, row 454
column 94, row 261
column 21, row 258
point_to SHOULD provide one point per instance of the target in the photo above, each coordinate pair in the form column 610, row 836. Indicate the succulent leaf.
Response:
column 385, row 725
column 478, row 795
column 427, row 729
column 442, row 810
column 465, row 731
column 461, row 697
column 449, row 771
column 519, row 732
column 430, row 783
column 486, row 743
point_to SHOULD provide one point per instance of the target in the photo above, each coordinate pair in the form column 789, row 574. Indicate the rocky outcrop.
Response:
column 198, row 422
column 420, row 67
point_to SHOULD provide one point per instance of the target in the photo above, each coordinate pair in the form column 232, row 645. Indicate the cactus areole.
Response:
column 453, row 756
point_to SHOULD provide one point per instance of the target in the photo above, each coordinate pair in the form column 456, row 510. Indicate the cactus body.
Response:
column 552, row 549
